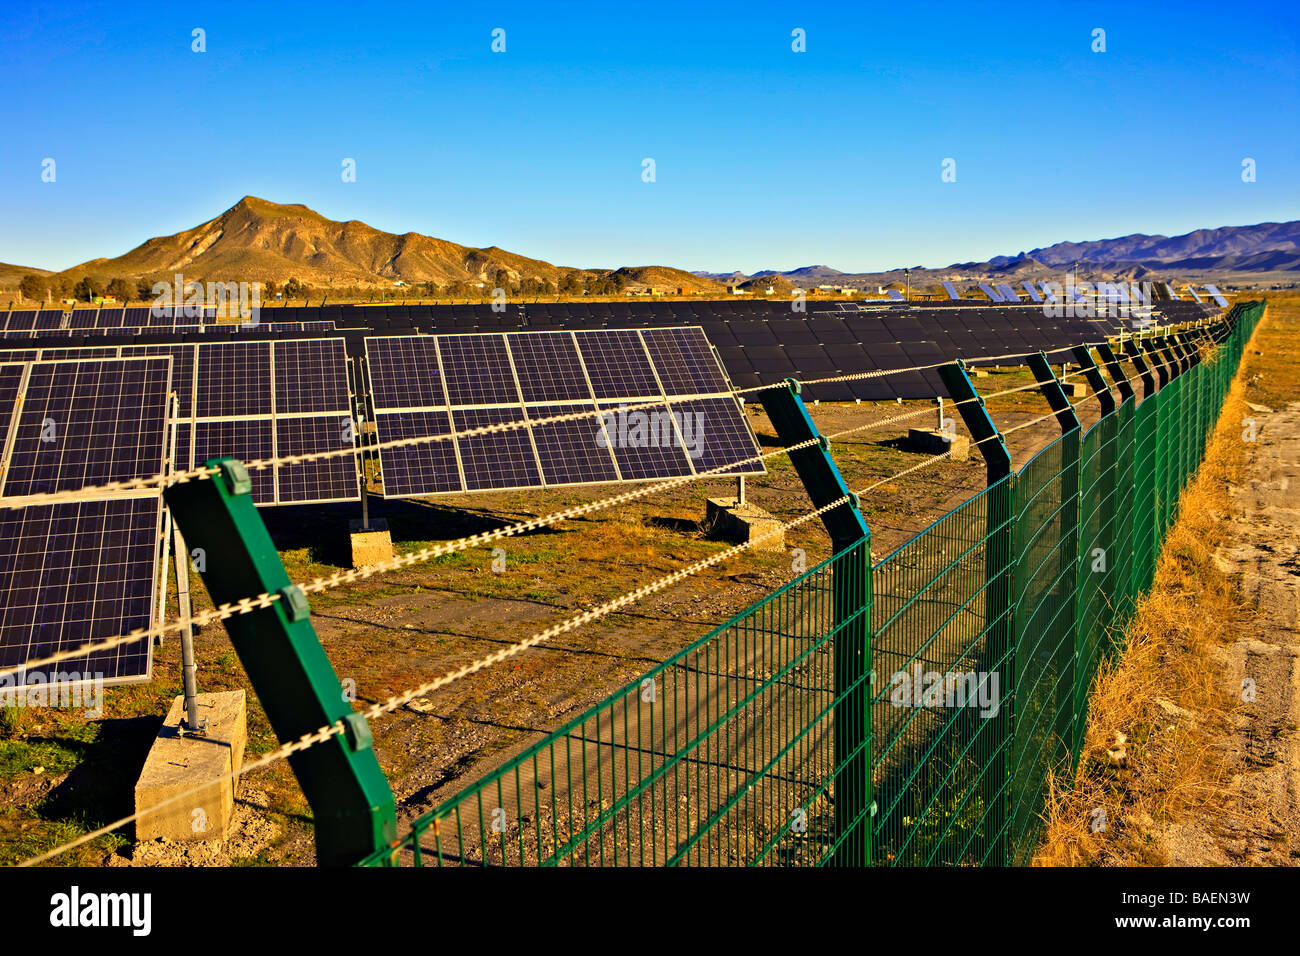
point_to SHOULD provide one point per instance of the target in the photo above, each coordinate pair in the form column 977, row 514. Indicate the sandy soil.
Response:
column 1260, row 824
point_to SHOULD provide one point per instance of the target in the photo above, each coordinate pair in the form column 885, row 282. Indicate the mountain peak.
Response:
column 260, row 240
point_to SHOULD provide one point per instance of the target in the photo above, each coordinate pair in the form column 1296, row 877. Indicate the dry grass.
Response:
column 1165, row 693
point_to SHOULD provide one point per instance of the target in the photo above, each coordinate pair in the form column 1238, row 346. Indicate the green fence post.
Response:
column 1115, row 371
column 1083, row 357
column 1124, row 483
column 1068, row 419
column 999, row 599
column 1135, row 356
column 351, row 802
column 1158, row 359
column 854, row 803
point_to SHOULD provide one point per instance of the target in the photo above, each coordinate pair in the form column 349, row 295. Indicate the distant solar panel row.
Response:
column 424, row 386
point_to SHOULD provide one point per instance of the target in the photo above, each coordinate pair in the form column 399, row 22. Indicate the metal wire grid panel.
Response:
column 722, row 755
column 986, row 630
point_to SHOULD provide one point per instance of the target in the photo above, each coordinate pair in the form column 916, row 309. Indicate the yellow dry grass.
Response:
column 1164, row 693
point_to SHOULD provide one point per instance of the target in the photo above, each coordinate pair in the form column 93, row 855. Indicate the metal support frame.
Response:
column 1051, row 388
column 1143, row 369
column 189, row 669
column 1115, row 371
column 1175, row 361
column 1159, row 360
column 854, row 801
column 351, row 801
column 999, row 595
column 1091, row 371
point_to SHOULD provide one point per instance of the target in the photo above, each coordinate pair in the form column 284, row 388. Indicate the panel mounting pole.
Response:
column 854, row 803
column 351, row 802
column 189, row 669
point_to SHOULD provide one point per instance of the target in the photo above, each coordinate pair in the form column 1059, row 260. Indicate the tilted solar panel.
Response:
column 264, row 399
column 72, row 573
column 493, row 378
column 1216, row 295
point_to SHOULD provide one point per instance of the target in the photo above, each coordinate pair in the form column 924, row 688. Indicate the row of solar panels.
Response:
column 76, row 572
column 1050, row 292
column 140, row 321
column 29, row 323
column 72, row 573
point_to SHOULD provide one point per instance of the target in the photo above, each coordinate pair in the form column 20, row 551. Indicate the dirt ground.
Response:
column 1261, row 667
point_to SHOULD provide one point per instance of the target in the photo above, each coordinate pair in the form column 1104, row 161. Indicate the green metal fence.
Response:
column 985, row 632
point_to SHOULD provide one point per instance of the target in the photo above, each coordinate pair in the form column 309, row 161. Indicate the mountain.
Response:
column 1268, row 252
column 258, row 240
column 11, row 275
column 1200, row 244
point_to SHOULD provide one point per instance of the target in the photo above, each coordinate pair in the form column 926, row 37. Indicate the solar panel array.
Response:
column 433, row 385
column 77, row 572
column 256, row 400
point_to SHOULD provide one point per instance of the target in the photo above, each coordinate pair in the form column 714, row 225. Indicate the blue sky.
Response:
column 765, row 158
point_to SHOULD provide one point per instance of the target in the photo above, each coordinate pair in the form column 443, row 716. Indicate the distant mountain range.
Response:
column 1266, row 252
column 258, row 240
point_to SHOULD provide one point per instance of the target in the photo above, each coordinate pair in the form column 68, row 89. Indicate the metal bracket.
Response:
column 1143, row 369
column 1159, row 360
column 1051, row 388
column 992, row 446
column 1115, row 371
column 1083, row 356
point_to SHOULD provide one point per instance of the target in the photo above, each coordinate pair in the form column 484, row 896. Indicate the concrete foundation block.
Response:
column 1075, row 389
column 932, row 440
column 739, row 523
column 371, row 545
column 981, row 373
column 179, row 763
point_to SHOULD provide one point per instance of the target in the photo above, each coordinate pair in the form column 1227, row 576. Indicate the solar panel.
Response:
column 75, row 572
column 895, row 295
column 988, row 291
column 86, row 423
column 1216, row 295
column 1008, row 294
column 952, row 292
column 254, row 400
column 510, row 377
column 1032, row 292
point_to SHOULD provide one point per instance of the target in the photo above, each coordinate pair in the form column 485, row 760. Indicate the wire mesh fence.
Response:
column 770, row 742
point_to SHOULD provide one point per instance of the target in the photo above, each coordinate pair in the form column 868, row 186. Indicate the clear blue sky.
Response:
column 765, row 158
